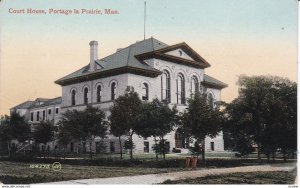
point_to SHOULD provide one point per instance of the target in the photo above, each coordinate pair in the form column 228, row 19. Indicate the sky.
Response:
column 237, row 37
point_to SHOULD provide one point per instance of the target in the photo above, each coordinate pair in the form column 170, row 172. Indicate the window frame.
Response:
column 73, row 98
column 145, row 93
column 180, row 90
column 113, row 89
column 166, row 87
column 85, row 95
column 99, row 93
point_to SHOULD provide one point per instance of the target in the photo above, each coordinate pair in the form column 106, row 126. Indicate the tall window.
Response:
column 44, row 114
column 165, row 87
column 38, row 116
column 210, row 99
column 195, row 85
column 31, row 118
column 99, row 93
column 73, row 97
column 145, row 95
column 180, row 89
column 85, row 95
column 113, row 91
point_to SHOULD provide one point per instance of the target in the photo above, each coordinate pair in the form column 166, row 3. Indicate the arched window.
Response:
column 145, row 94
column 99, row 93
column 113, row 91
column 210, row 99
column 73, row 96
column 85, row 95
column 195, row 85
column 180, row 89
column 165, row 87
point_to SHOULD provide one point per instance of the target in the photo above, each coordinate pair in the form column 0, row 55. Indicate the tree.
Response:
column 43, row 132
column 83, row 125
column 5, row 133
column 201, row 119
column 265, row 111
column 20, row 130
column 156, row 119
column 15, row 128
column 123, row 117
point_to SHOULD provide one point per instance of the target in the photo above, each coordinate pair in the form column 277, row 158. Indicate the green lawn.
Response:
column 277, row 177
column 150, row 155
column 21, row 173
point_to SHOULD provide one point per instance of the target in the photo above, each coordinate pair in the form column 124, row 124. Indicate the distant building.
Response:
column 153, row 68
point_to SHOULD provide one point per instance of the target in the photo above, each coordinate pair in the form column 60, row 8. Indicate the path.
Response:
column 159, row 178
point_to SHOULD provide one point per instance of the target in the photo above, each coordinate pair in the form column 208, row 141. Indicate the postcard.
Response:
column 101, row 92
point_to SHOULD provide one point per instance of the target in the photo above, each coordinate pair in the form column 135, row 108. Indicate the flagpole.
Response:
column 145, row 20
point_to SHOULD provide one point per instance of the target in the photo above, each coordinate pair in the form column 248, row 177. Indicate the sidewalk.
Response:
column 159, row 178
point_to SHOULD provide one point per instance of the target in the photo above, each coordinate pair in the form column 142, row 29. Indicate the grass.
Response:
column 147, row 156
column 21, row 173
column 275, row 177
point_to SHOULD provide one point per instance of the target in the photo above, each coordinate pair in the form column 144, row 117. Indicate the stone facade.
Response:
column 77, row 94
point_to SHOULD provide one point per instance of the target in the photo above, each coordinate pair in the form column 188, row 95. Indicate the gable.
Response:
column 180, row 53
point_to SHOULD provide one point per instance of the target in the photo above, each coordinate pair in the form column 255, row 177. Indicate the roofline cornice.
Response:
column 111, row 72
column 173, row 59
column 214, row 85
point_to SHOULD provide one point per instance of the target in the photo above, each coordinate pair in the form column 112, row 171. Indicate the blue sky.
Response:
column 253, row 37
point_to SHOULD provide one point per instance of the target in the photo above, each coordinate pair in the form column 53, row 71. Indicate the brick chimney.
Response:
column 93, row 54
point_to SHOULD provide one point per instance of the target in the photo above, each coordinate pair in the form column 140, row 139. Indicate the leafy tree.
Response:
column 19, row 129
column 43, row 132
column 265, row 111
column 156, row 119
column 201, row 119
column 83, row 125
column 5, row 134
column 123, row 117
column 14, row 128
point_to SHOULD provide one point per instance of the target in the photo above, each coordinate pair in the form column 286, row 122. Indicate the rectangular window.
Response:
column 31, row 116
column 112, row 147
column 212, row 146
column 44, row 114
column 146, row 147
column 49, row 112
column 38, row 116
column 56, row 110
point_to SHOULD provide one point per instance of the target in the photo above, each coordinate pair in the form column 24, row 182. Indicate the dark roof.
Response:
column 130, row 60
column 123, row 58
column 24, row 105
column 211, row 82
column 46, row 102
column 36, row 103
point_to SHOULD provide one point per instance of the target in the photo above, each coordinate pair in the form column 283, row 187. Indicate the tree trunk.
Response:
column 131, row 148
column 284, row 155
column 273, row 155
column 268, row 156
column 121, row 152
column 163, row 147
column 203, row 152
column 259, row 152
column 8, row 148
column 156, row 155
column 91, row 152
